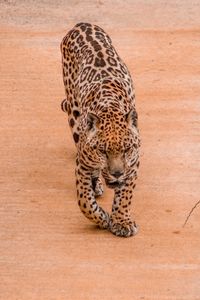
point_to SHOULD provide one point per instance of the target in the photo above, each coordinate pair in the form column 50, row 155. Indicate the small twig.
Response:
column 191, row 213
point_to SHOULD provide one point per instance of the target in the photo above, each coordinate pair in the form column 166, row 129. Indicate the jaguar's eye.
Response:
column 103, row 151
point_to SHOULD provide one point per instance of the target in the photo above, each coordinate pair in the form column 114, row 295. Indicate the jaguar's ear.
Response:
column 132, row 118
column 92, row 121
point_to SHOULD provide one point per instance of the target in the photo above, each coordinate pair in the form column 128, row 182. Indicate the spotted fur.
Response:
column 103, row 120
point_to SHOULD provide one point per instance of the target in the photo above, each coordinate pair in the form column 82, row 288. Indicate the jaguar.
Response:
column 100, row 104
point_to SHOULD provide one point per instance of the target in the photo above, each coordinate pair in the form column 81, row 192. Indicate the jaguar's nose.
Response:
column 117, row 174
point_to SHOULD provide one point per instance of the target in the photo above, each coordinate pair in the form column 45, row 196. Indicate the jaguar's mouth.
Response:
column 114, row 184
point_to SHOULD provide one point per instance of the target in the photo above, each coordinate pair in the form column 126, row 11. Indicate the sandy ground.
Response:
column 48, row 250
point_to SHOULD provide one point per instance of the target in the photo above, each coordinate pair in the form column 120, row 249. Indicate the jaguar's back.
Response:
column 91, row 64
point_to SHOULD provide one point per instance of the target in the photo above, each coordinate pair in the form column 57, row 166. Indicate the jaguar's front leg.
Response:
column 86, row 198
column 121, row 223
column 97, row 186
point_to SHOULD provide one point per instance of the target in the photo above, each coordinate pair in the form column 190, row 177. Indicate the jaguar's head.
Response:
column 112, row 144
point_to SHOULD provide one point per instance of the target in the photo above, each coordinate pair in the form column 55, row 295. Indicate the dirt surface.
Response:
column 48, row 250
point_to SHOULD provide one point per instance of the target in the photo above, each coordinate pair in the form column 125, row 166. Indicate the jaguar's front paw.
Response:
column 124, row 228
